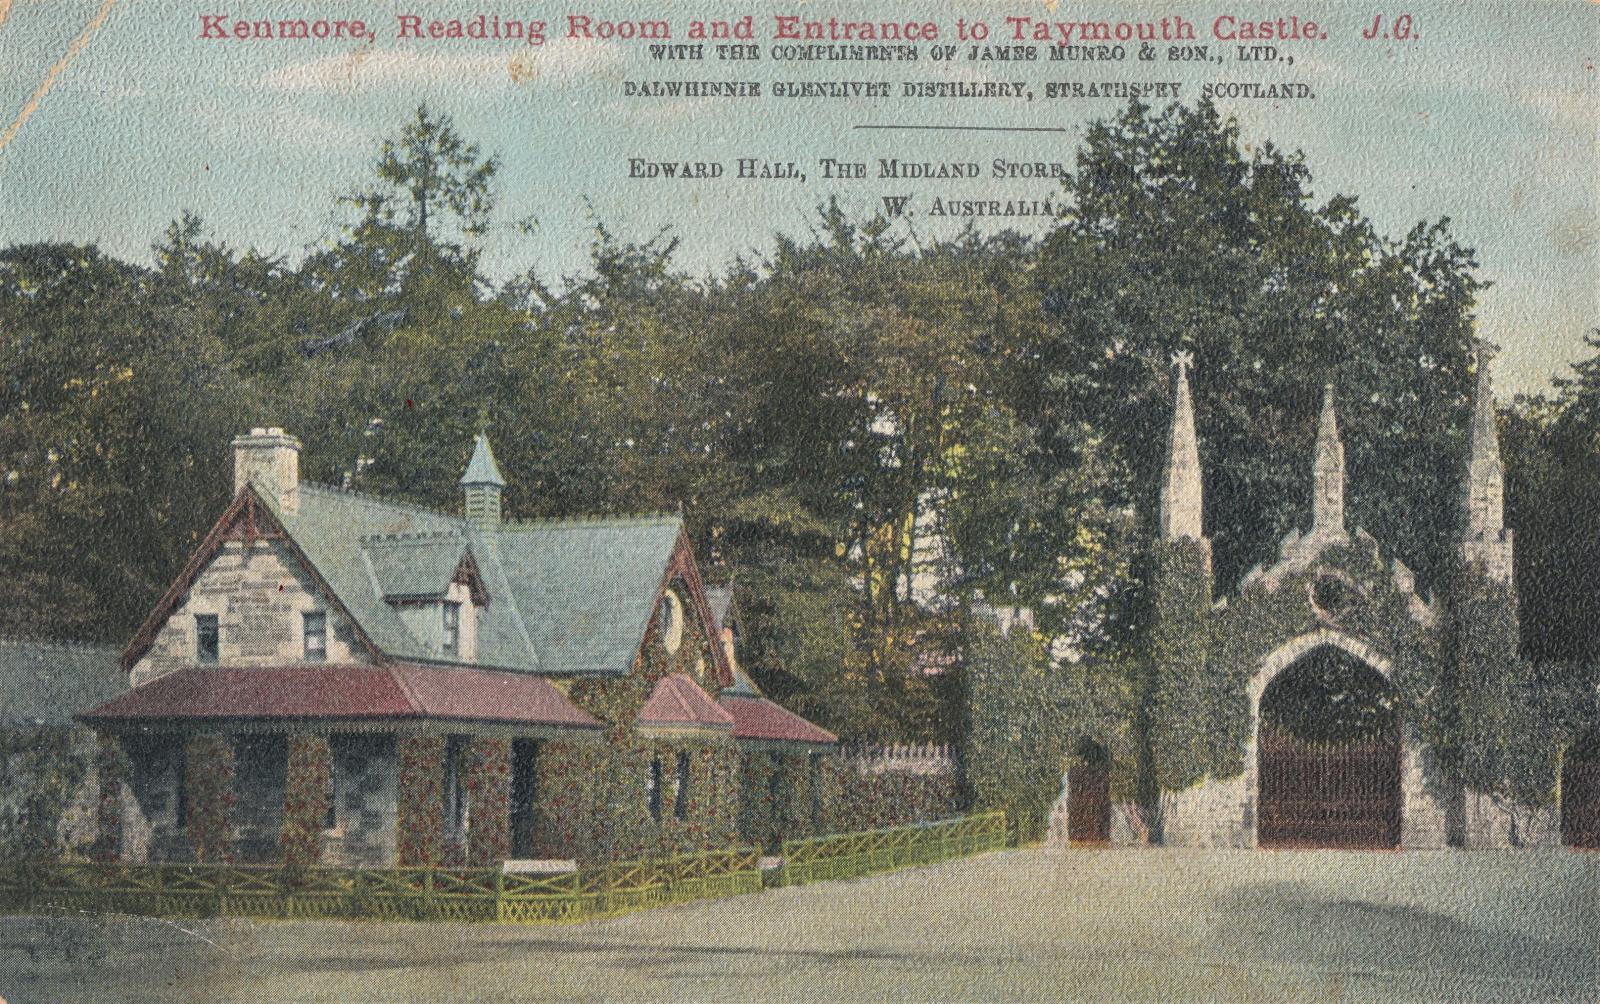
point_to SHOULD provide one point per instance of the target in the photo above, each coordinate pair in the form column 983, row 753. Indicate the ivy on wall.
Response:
column 488, row 784
column 419, row 819
column 1026, row 718
column 208, row 791
column 1188, row 699
column 42, row 771
column 307, row 790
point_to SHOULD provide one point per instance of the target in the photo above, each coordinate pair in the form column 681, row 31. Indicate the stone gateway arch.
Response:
column 1316, row 663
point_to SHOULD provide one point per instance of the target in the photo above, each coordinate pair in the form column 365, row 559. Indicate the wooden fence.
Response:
column 850, row 855
column 476, row 894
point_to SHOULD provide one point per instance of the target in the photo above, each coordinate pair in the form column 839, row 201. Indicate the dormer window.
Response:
column 316, row 636
column 452, row 628
column 205, row 637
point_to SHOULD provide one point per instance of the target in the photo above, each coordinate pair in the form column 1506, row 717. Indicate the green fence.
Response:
column 461, row 894
column 478, row 894
column 850, row 855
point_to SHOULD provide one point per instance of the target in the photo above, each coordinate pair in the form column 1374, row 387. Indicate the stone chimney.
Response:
column 481, row 485
column 270, row 460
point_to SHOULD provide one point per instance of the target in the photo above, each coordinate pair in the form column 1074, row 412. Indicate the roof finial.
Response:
column 1327, row 500
column 1183, row 359
column 1486, row 538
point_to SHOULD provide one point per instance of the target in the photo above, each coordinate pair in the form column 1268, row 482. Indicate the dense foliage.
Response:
column 864, row 431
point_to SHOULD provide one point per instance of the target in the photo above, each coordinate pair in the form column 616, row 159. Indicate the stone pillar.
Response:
column 488, row 782
column 208, row 791
column 419, row 822
column 307, row 794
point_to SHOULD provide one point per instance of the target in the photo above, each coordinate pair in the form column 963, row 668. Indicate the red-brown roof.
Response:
column 392, row 690
column 759, row 718
column 679, row 701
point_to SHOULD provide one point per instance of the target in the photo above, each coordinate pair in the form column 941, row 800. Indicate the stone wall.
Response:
column 258, row 594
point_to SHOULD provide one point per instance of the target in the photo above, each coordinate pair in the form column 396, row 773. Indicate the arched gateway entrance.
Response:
column 1328, row 750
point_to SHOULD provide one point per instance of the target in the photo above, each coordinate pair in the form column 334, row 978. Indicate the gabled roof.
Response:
column 756, row 718
column 321, row 692
column 566, row 596
column 678, row 701
column 43, row 683
column 563, row 597
column 415, row 566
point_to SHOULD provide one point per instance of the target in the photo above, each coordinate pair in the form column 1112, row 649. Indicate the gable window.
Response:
column 316, row 634
column 452, row 628
column 680, row 799
column 205, row 637
column 669, row 621
column 652, row 788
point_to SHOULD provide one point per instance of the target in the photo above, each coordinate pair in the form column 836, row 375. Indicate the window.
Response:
column 205, row 637
column 669, row 621
column 680, row 798
column 452, row 628
column 652, row 788
column 455, row 800
column 316, row 634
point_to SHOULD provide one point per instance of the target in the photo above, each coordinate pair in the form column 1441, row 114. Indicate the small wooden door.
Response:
column 1089, row 800
column 524, row 814
column 1580, row 797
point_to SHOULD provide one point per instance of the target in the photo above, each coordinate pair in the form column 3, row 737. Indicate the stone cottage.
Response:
column 343, row 679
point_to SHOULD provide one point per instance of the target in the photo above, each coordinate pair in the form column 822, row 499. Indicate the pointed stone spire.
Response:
column 481, row 485
column 1180, row 481
column 1327, row 500
column 1486, row 539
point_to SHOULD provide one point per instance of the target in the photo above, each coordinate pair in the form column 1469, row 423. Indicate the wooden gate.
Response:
column 1328, row 794
column 1580, row 803
column 1089, row 804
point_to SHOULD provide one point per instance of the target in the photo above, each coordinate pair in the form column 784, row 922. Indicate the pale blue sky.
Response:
column 1491, row 119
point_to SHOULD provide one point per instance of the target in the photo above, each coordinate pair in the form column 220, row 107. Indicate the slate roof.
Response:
column 678, row 701
column 43, row 683
column 566, row 596
column 414, row 566
column 388, row 691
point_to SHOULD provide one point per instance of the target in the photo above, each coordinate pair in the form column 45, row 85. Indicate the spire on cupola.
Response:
column 1327, row 501
column 1180, row 481
column 481, row 485
column 1486, row 538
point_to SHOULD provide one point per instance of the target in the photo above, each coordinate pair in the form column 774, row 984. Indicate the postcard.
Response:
column 975, row 500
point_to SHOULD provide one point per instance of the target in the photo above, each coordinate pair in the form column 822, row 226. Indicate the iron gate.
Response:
column 1315, row 794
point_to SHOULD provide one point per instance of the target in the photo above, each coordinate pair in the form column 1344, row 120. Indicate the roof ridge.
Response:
column 18, row 641
column 371, row 499
column 622, row 519
column 405, row 537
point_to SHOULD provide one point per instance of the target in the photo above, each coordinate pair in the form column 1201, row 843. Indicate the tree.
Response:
column 1174, row 236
